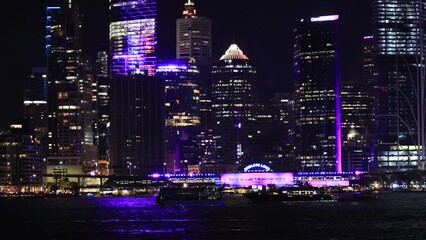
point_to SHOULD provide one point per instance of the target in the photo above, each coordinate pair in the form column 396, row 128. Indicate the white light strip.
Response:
column 325, row 18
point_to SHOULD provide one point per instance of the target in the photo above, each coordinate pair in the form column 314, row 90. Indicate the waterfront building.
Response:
column 234, row 100
column 21, row 164
column 182, row 113
column 194, row 42
column 317, row 94
column 70, row 116
column 398, row 48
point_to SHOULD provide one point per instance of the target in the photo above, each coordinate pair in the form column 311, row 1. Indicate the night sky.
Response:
column 262, row 29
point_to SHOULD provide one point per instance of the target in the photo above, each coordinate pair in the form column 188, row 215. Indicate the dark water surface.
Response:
column 391, row 216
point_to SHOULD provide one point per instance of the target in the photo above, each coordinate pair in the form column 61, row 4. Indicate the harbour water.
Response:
column 390, row 216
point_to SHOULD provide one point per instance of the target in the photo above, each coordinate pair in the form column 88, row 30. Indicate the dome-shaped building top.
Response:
column 234, row 52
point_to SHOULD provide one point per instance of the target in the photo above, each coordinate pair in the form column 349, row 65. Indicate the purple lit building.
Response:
column 133, row 36
column 317, row 89
column 137, row 104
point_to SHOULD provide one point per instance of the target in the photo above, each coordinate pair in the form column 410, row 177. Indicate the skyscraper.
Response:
column 234, row 99
column 194, row 41
column 137, row 104
column 103, row 109
column 193, row 35
column 182, row 113
column 35, row 106
column 317, row 86
column 70, row 117
column 398, row 49
column 132, row 36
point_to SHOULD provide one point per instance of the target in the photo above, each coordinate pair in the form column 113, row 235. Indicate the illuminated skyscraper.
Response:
column 194, row 41
column 132, row 36
column 193, row 35
column 318, row 123
column 35, row 105
column 70, row 114
column 137, row 104
column 182, row 113
column 398, row 48
column 234, row 99
column 103, row 108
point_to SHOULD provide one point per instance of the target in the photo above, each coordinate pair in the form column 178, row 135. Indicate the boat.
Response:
column 189, row 195
column 289, row 193
column 352, row 193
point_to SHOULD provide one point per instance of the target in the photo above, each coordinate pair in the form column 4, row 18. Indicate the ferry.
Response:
column 186, row 195
column 289, row 193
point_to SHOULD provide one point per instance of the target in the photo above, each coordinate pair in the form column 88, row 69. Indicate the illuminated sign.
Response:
column 325, row 18
column 257, row 165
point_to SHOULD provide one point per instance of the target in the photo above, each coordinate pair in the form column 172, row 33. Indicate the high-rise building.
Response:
column 35, row 106
column 103, row 109
column 137, row 98
column 398, row 52
column 194, row 41
column 193, row 35
column 317, row 86
column 182, row 113
column 234, row 100
column 132, row 36
column 70, row 116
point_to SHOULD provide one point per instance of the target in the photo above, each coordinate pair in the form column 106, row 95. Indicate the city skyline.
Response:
column 231, row 22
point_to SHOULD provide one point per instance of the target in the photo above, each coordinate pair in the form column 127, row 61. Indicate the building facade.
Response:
column 398, row 49
column 234, row 100
column 182, row 113
column 317, row 95
column 70, row 116
column 137, row 104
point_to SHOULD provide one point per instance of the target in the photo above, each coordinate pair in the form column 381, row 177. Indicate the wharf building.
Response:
column 137, row 98
column 318, row 142
column 70, row 116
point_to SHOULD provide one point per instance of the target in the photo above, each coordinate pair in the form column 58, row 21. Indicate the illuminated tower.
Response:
column 233, row 104
column 398, row 49
column 318, row 124
column 133, row 36
column 137, row 104
column 194, row 41
column 70, row 117
column 182, row 113
column 193, row 35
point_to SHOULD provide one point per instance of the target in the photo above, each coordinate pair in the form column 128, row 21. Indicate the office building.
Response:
column 317, row 86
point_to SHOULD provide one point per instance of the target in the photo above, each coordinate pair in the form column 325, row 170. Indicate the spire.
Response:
column 234, row 52
column 189, row 9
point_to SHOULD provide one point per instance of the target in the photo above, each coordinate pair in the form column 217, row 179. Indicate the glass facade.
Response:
column 234, row 100
column 398, row 45
column 70, row 116
column 133, row 36
column 317, row 96
column 182, row 112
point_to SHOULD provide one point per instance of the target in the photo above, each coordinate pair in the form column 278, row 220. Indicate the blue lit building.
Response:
column 133, row 36
column 318, row 107
column 137, row 98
